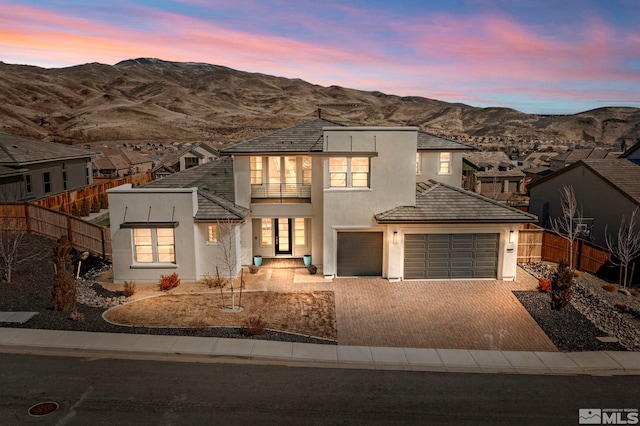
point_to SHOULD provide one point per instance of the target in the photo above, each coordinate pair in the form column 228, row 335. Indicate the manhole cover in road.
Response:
column 43, row 408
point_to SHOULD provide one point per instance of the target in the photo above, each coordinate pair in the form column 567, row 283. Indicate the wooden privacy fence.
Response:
column 65, row 200
column 537, row 244
column 35, row 219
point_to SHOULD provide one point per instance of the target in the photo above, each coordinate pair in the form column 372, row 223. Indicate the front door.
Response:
column 283, row 236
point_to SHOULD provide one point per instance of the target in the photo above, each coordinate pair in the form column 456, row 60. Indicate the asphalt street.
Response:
column 123, row 392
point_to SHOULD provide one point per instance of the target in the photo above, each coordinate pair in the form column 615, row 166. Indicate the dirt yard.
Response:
column 308, row 313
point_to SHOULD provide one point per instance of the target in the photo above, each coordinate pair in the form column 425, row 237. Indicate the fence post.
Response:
column 27, row 219
column 579, row 259
column 69, row 229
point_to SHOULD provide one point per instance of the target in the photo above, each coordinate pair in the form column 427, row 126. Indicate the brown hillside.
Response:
column 150, row 99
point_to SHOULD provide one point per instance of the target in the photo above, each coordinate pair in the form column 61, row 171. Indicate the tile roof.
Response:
column 440, row 203
column 215, row 184
column 622, row 175
column 307, row 137
column 304, row 137
column 494, row 159
column 574, row 155
column 18, row 150
column 427, row 141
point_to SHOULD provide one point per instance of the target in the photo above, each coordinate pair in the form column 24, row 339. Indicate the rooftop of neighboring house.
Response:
column 440, row 203
column 537, row 158
column 307, row 137
column 574, row 155
column 215, row 184
column 170, row 160
column 9, row 171
column 491, row 164
column 621, row 174
column 18, row 150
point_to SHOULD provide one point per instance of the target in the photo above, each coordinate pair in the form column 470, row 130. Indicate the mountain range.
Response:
column 150, row 99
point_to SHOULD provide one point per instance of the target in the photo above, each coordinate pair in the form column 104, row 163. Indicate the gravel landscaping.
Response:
column 31, row 291
column 592, row 313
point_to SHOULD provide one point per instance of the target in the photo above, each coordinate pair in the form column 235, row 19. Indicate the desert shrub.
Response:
column 254, row 326
column 128, row 289
column 64, row 295
column 610, row 288
column 167, row 282
column 76, row 316
column 561, row 286
column 85, row 209
column 544, row 285
column 95, row 205
column 312, row 269
column 253, row 269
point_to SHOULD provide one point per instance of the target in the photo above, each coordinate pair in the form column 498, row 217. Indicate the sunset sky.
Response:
column 537, row 56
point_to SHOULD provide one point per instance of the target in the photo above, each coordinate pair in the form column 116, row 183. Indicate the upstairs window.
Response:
column 46, row 177
column 256, row 170
column 444, row 163
column 190, row 162
column 351, row 172
column 28, row 182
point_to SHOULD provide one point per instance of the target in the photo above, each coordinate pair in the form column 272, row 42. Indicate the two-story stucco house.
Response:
column 363, row 201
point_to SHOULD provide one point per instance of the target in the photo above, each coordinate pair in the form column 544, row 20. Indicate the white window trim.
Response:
column 418, row 163
column 349, row 183
column 440, row 161
column 154, row 251
column 272, row 232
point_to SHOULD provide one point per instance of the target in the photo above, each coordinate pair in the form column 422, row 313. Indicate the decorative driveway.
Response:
column 461, row 314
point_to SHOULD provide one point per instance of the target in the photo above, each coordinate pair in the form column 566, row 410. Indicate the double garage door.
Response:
column 433, row 256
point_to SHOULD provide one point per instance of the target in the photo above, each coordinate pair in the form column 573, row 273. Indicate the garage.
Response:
column 442, row 256
column 359, row 254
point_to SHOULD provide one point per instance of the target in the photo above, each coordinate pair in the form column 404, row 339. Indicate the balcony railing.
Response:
column 281, row 190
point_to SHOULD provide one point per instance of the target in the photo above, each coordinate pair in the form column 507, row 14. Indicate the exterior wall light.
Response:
column 512, row 237
column 395, row 237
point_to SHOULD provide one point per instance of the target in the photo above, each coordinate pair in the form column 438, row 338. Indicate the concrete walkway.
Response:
column 202, row 349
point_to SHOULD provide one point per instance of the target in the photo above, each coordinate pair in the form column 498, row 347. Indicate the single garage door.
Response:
column 359, row 254
column 450, row 256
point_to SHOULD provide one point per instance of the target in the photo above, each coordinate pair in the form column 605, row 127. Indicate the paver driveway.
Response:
column 469, row 314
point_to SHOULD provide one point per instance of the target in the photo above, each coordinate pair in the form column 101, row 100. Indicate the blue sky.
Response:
column 534, row 56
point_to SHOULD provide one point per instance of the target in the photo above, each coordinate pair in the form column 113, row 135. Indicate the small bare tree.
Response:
column 12, row 250
column 626, row 247
column 228, row 253
column 568, row 225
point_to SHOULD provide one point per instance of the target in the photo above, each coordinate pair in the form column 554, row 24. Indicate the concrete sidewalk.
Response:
column 204, row 349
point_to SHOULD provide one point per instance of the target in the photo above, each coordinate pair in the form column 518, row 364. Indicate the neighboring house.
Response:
column 535, row 159
column 190, row 156
column 605, row 189
column 362, row 201
column 567, row 158
column 492, row 174
column 118, row 162
column 33, row 169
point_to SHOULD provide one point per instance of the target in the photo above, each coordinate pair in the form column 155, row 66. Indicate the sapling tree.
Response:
column 12, row 250
column 227, row 252
column 626, row 247
column 569, row 224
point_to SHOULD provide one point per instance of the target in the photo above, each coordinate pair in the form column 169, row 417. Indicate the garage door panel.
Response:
column 359, row 254
column 451, row 256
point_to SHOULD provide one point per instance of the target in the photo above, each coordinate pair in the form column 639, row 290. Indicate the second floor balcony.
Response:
column 281, row 192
